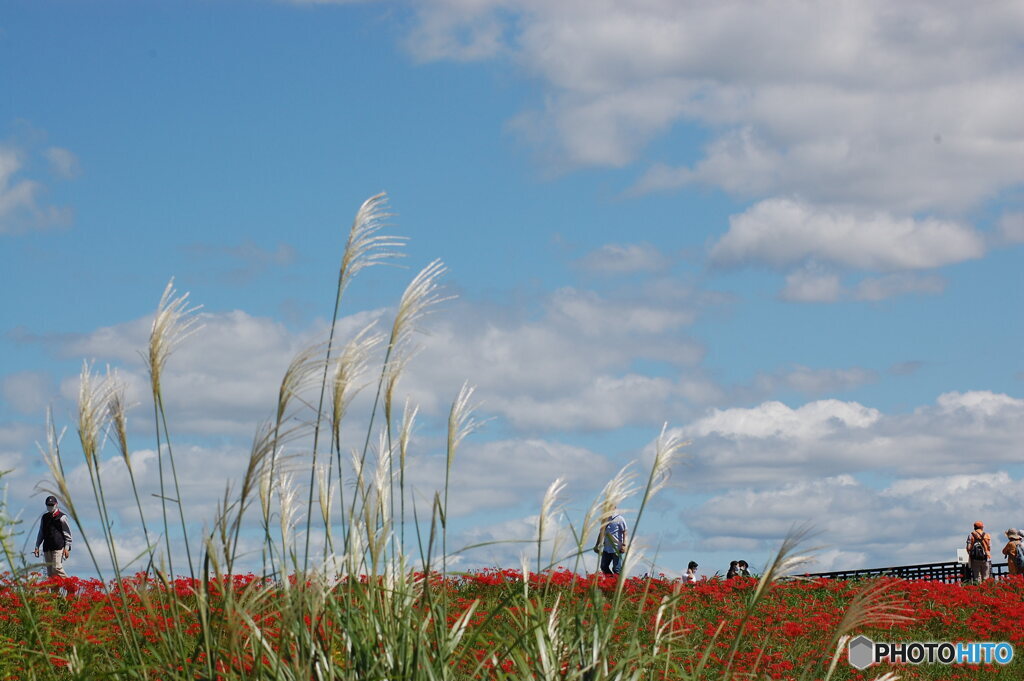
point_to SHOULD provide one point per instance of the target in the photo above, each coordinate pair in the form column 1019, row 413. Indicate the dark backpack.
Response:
column 1018, row 557
column 978, row 548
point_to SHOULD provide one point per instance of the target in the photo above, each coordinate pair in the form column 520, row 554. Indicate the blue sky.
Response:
column 791, row 232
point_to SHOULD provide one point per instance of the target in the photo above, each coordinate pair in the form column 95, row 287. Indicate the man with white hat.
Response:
column 1011, row 551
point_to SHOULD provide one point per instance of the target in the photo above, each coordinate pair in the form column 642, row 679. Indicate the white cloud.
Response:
column 812, row 285
column 889, row 286
column 507, row 473
column 63, row 162
column 22, row 207
column 572, row 366
column 253, row 259
column 222, row 380
column 780, row 232
column 15, row 440
column 625, row 259
column 28, row 392
column 814, row 420
column 1011, row 228
column 908, row 521
column 815, row 284
column 962, row 433
column 821, row 381
column 908, row 106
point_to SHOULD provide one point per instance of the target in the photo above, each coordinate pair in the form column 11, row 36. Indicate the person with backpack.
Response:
column 55, row 538
column 979, row 549
column 1014, row 552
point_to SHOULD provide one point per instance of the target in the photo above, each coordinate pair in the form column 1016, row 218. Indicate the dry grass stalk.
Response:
column 173, row 323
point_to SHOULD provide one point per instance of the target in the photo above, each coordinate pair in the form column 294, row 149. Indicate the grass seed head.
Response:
column 173, row 323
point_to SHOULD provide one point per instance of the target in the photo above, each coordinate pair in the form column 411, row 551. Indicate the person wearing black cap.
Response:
column 55, row 538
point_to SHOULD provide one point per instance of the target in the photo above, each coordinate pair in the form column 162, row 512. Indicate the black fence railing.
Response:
column 951, row 572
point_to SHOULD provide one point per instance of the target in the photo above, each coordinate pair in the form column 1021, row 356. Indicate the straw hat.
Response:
column 1012, row 533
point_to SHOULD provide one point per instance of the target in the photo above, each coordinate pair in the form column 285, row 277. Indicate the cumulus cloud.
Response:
column 624, row 259
column 253, row 259
column 907, row 106
column 63, row 162
column 506, row 473
column 28, row 392
column 222, row 380
column 880, row 288
column 821, row 381
column 1011, row 228
column 781, row 232
column 812, row 285
column 22, row 199
column 573, row 366
column 907, row 521
column 962, row 433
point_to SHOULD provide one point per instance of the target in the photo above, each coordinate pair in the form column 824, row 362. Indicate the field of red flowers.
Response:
column 81, row 630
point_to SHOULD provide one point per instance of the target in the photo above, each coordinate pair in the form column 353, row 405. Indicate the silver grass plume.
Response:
column 787, row 560
column 408, row 420
column 357, row 470
column 419, row 297
column 303, row 371
column 615, row 491
column 51, row 456
column 265, row 490
column 552, row 650
column 461, row 423
column 365, row 246
column 549, row 510
column 349, row 370
column 877, row 605
column 633, row 557
column 667, row 450
column 382, row 479
column 325, row 494
column 173, row 323
column 461, row 420
column 393, row 371
column 117, row 408
column 93, row 399
column 286, row 495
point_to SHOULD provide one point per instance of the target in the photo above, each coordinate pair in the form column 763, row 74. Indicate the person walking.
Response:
column 979, row 549
column 1010, row 551
column 54, row 537
column 611, row 543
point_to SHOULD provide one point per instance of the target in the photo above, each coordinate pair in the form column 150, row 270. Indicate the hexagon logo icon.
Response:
column 861, row 652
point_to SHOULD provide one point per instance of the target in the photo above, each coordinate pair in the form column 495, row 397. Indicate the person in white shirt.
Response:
column 613, row 539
